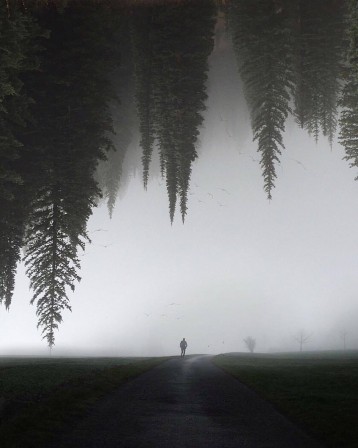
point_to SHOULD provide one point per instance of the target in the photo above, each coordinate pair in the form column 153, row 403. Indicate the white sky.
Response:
column 245, row 267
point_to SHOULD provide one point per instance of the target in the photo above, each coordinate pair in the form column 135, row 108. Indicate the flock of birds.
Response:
column 164, row 314
column 211, row 195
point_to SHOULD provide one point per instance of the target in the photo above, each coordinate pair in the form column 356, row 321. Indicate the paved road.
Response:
column 185, row 403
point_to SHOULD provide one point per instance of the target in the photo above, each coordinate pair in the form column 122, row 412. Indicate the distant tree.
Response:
column 303, row 338
column 250, row 343
column 343, row 335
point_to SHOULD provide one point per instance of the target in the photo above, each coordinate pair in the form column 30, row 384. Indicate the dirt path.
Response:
column 185, row 403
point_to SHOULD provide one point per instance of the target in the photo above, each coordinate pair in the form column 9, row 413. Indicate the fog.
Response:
column 241, row 265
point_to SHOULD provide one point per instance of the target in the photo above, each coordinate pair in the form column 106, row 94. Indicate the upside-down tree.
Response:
column 18, row 48
column 171, row 48
column 72, row 94
column 262, row 37
column 319, row 46
column 349, row 99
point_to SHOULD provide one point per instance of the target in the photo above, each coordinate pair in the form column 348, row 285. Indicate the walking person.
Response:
column 183, row 346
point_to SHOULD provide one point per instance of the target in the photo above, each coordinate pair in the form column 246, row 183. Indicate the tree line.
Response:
column 79, row 79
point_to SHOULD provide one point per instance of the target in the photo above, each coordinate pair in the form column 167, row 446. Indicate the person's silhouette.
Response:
column 183, row 346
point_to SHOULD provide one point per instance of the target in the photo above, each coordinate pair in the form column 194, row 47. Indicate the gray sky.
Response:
column 239, row 266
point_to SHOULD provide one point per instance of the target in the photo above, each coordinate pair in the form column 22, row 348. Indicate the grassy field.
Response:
column 41, row 396
column 318, row 391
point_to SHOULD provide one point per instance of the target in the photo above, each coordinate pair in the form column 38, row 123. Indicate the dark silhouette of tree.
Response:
column 318, row 62
column 250, row 343
column 303, row 338
column 349, row 100
column 18, row 55
column 110, row 171
column 72, row 125
column 343, row 335
column 171, row 47
column 262, row 40
column 142, row 42
column 11, row 240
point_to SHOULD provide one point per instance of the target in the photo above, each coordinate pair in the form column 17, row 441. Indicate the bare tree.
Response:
column 303, row 338
column 250, row 343
column 343, row 334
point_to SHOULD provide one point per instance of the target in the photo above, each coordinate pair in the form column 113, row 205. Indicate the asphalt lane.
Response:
column 185, row 403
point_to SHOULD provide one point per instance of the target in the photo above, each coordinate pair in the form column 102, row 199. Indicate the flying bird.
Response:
column 173, row 303
column 221, row 205
column 299, row 163
column 223, row 189
column 209, row 194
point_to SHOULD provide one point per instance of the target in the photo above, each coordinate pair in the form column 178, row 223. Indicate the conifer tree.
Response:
column 349, row 100
column 17, row 37
column 141, row 32
column 11, row 240
column 18, row 56
column 111, row 174
column 318, row 60
column 171, row 52
column 73, row 123
column 262, row 40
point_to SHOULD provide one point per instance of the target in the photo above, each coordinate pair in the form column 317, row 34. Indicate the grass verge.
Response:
column 318, row 391
column 45, row 398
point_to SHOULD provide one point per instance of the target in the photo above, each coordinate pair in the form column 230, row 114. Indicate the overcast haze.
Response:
column 240, row 265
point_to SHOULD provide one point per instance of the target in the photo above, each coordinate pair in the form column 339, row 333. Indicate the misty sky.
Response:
column 239, row 266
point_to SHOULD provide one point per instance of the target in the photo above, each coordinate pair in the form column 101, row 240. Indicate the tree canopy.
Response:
column 79, row 81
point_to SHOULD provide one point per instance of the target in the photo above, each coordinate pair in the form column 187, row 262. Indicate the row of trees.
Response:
column 291, row 58
column 70, row 73
column 171, row 45
column 55, row 124
column 302, row 338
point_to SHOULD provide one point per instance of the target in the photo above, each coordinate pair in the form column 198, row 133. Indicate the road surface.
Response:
column 184, row 403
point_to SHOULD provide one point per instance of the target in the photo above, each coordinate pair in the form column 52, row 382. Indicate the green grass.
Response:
column 318, row 391
column 45, row 396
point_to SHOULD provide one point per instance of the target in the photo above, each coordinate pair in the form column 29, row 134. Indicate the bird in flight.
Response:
column 173, row 303
column 199, row 200
column 223, row 189
column 147, row 314
column 300, row 163
column 220, row 204
column 209, row 194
